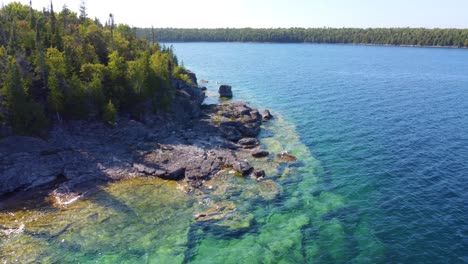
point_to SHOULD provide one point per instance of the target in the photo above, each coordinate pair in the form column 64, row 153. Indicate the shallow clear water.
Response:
column 380, row 135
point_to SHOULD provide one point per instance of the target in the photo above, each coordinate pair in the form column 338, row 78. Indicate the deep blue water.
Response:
column 389, row 126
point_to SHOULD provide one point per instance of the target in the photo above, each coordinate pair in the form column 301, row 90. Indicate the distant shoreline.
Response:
column 405, row 37
column 315, row 43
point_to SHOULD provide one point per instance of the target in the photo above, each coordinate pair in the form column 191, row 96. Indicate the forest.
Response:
column 375, row 36
column 58, row 66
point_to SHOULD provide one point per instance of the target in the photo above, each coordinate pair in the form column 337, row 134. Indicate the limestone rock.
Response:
column 266, row 115
column 225, row 91
column 242, row 167
column 230, row 132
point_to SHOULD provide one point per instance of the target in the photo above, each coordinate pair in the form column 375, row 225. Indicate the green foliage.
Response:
column 110, row 113
column 97, row 95
column 378, row 36
column 55, row 61
column 180, row 73
column 55, row 98
column 26, row 116
column 29, row 119
column 76, row 99
column 3, row 57
column 77, row 65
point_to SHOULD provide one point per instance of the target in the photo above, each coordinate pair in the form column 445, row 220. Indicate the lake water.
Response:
column 381, row 134
column 389, row 126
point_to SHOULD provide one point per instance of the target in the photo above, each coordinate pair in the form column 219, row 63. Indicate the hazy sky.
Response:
column 275, row 13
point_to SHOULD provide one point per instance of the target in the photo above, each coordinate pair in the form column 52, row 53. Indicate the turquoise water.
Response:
column 381, row 139
column 388, row 125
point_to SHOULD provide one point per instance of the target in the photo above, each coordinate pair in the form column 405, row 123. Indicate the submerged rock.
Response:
column 285, row 156
column 217, row 211
column 259, row 153
column 225, row 91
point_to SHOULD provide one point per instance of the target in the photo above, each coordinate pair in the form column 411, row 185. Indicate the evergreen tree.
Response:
column 55, row 97
column 83, row 11
column 110, row 113
column 26, row 116
column 75, row 68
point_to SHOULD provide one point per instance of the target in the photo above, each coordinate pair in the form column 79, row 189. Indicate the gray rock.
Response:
column 248, row 143
column 19, row 144
column 225, row 91
column 243, row 109
column 250, row 130
column 192, row 77
column 242, row 167
column 230, row 132
column 144, row 169
column 5, row 131
column 266, row 115
column 174, row 174
column 26, row 163
column 259, row 174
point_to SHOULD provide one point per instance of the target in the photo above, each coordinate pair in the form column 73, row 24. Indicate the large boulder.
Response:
column 266, row 115
column 225, row 91
column 237, row 121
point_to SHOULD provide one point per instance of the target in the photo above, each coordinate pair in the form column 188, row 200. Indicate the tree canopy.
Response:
column 57, row 66
column 377, row 36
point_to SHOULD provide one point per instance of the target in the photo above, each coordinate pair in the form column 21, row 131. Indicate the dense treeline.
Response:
column 63, row 65
column 377, row 36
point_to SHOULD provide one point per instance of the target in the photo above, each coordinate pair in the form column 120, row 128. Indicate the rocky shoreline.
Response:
column 192, row 144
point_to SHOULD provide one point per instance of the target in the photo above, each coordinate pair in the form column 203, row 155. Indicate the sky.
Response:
column 274, row 13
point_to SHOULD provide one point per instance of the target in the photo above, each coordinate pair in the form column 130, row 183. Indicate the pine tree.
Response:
column 110, row 114
column 111, row 26
column 55, row 98
column 32, row 18
column 83, row 14
column 26, row 116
